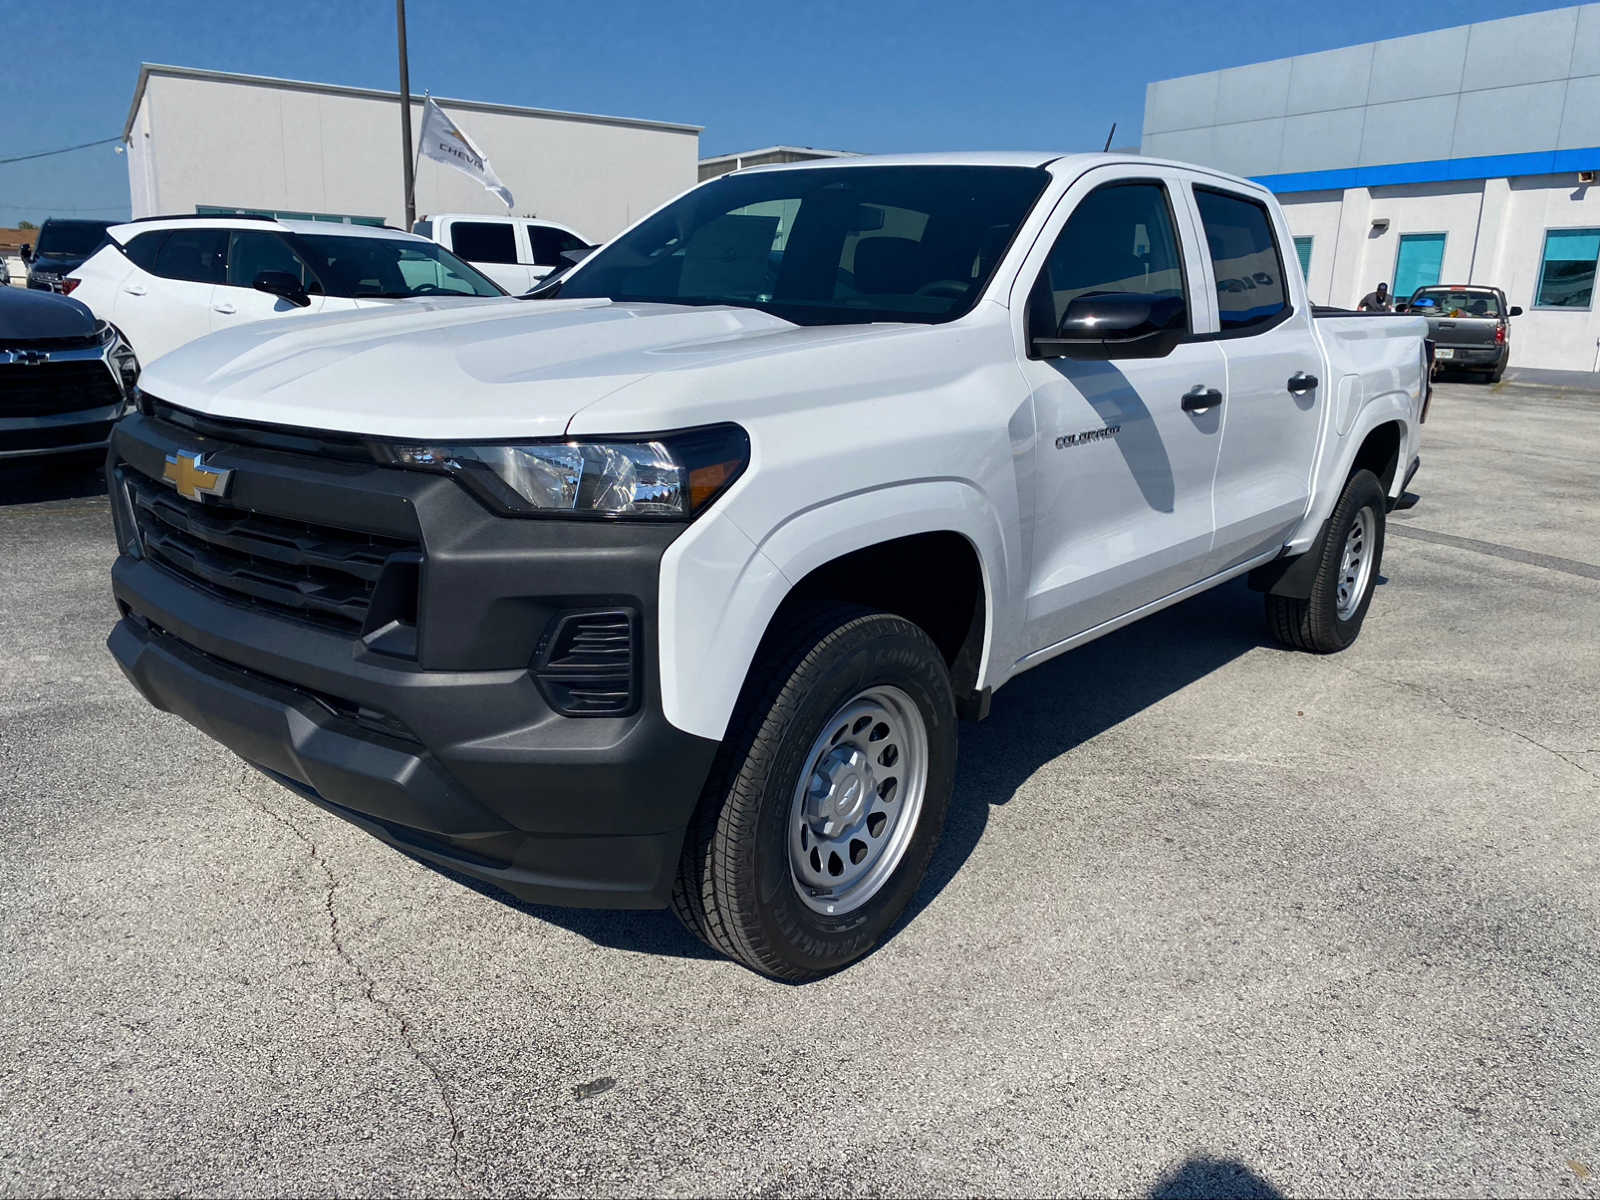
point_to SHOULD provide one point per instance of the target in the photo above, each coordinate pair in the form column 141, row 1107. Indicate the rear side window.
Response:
column 484, row 241
column 549, row 244
column 142, row 250
column 192, row 254
column 1251, row 292
column 1120, row 238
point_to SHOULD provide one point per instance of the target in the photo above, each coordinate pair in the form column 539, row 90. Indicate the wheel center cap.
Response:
column 843, row 801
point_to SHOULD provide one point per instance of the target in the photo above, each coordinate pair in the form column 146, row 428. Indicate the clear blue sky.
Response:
column 873, row 75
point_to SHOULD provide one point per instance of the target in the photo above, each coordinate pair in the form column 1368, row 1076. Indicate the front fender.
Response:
column 720, row 588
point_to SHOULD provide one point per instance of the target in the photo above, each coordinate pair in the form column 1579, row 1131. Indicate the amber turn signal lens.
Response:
column 706, row 481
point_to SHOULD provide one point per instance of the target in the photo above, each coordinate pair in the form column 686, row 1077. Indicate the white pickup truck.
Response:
column 669, row 588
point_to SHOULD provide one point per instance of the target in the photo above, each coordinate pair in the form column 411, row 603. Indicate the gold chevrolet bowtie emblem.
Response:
column 192, row 479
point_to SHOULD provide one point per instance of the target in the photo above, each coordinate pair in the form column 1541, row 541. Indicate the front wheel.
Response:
column 1330, row 618
column 828, row 799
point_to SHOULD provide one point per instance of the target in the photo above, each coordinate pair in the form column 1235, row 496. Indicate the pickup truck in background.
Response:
column 515, row 252
column 1469, row 326
column 671, row 587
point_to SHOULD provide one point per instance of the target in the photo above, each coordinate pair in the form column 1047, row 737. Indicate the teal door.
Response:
column 1418, row 263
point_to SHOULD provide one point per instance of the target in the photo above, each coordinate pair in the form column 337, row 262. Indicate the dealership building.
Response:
column 1464, row 155
column 207, row 141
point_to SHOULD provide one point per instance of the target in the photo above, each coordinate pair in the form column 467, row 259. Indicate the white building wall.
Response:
column 1494, row 235
column 268, row 145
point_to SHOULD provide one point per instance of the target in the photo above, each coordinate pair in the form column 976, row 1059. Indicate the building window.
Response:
column 1302, row 251
column 1566, row 274
column 1417, row 263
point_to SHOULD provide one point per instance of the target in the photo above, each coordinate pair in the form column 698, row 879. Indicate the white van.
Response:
column 515, row 252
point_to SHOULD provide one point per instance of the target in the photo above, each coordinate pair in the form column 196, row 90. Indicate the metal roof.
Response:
column 146, row 70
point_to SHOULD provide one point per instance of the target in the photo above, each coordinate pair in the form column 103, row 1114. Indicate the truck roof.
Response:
column 1058, row 162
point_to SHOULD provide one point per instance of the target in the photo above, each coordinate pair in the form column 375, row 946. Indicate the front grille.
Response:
column 587, row 663
column 85, row 435
column 49, row 388
column 338, row 579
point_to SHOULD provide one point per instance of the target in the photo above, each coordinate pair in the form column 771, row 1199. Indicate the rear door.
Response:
column 491, row 246
column 1274, row 408
column 169, row 304
column 1123, row 472
column 250, row 252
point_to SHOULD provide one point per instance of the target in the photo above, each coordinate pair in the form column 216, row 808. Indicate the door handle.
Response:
column 1300, row 383
column 226, row 310
column 134, row 290
column 1199, row 398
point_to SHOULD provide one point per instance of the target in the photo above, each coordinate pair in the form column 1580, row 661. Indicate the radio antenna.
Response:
column 1109, row 136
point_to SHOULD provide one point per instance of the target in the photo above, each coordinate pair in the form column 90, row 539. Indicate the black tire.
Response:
column 735, row 888
column 1314, row 623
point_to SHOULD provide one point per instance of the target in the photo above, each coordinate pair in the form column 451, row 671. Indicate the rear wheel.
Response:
column 828, row 800
column 1330, row 618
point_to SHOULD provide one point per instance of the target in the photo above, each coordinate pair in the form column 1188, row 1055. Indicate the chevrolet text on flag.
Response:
column 444, row 142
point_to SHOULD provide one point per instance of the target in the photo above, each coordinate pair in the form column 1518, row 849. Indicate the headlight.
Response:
column 669, row 476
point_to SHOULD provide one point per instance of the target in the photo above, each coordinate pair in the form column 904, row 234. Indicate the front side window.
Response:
column 193, row 255
column 550, row 244
column 1566, row 273
column 1120, row 238
column 823, row 245
column 251, row 252
column 484, row 241
column 387, row 267
column 1251, row 291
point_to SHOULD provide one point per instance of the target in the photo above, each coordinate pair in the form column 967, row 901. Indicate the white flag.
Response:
column 444, row 142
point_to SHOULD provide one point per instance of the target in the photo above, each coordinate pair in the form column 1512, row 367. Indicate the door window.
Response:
column 1417, row 263
column 550, row 244
column 484, row 241
column 1120, row 238
column 1251, row 292
column 192, row 254
column 251, row 252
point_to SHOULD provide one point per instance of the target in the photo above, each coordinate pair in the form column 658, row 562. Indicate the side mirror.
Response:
column 282, row 283
column 1516, row 310
column 27, row 252
column 1108, row 325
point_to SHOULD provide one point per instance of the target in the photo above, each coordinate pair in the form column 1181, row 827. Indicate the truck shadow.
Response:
column 1215, row 1178
column 1042, row 715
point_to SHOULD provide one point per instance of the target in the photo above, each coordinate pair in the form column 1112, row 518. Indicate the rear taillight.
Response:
column 68, row 284
column 1500, row 334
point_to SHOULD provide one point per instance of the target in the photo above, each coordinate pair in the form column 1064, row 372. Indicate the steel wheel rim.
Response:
column 853, row 815
column 1355, row 564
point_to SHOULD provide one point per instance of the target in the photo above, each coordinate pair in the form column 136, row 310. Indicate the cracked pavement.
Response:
column 1209, row 918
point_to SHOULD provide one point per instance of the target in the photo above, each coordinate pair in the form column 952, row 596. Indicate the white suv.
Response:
column 166, row 281
column 515, row 252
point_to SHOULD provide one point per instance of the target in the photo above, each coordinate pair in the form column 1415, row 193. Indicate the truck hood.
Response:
column 460, row 370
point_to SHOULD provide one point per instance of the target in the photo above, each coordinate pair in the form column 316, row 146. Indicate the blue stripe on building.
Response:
column 1493, row 166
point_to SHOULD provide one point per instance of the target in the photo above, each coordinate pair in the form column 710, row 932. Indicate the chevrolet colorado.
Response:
column 669, row 587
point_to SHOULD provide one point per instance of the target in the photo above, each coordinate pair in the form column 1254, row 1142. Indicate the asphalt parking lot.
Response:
column 1210, row 918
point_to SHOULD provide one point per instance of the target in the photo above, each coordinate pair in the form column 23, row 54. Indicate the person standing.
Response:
column 1377, row 301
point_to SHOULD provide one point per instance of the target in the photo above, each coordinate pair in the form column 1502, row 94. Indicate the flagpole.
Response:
column 405, row 118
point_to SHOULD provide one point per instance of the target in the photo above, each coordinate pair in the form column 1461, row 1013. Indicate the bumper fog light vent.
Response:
column 587, row 663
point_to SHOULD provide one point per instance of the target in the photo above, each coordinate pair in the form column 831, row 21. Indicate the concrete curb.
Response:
column 1586, row 382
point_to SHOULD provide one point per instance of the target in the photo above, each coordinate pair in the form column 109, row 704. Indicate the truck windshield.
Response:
column 389, row 268
column 820, row 246
column 71, row 239
column 1460, row 302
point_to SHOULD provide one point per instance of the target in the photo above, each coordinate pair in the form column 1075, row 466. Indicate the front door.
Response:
column 1123, row 469
column 250, row 252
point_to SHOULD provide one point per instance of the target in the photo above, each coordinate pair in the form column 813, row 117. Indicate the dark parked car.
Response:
column 60, row 249
column 1469, row 327
column 64, row 375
